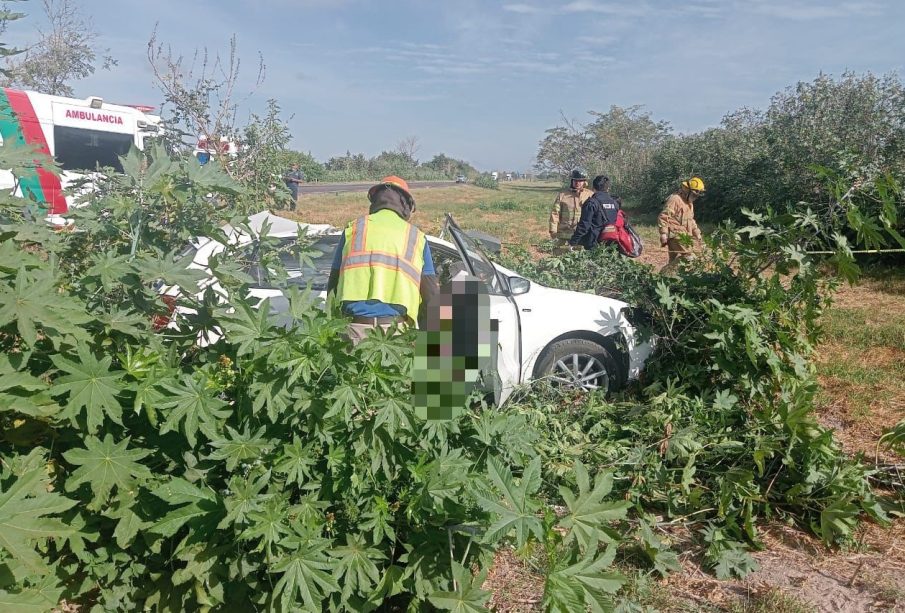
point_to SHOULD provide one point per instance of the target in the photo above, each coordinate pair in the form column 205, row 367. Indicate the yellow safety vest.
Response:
column 382, row 259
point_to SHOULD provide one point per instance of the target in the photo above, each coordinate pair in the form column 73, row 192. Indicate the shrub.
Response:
column 853, row 126
column 722, row 429
column 486, row 181
column 275, row 468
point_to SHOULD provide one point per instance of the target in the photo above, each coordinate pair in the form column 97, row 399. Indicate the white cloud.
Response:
column 523, row 9
column 602, row 40
column 806, row 11
column 591, row 6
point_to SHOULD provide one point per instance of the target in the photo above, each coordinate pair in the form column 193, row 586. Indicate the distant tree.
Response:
column 355, row 165
column 6, row 17
column 852, row 126
column 619, row 143
column 393, row 163
column 409, row 148
column 562, row 149
column 314, row 170
column 200, row 94
column 263, row 147
column 64, row 53
column 451, row 167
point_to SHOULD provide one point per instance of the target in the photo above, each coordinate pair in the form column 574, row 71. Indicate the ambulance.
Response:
column 82, row 135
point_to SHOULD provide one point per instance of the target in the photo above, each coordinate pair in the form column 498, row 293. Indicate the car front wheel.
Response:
column 578, row 363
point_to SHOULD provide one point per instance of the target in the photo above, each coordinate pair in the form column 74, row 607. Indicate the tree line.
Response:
column 400, row 161
column 848, row 129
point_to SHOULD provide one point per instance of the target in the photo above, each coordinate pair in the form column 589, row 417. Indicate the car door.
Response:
column 502, row 309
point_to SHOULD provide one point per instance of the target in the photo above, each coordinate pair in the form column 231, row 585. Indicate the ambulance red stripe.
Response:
column 31, row 130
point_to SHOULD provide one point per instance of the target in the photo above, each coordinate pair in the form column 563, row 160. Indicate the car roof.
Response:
column 281, row 227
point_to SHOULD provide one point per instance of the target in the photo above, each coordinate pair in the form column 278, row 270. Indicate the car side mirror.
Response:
column 519, row 286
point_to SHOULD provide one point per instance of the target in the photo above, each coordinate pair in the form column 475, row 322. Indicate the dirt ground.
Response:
column 797, row 573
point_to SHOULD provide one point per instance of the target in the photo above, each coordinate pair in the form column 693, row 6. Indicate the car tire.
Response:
column 573, row 362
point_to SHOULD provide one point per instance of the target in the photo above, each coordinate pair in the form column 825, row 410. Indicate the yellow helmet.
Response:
column 695, row 184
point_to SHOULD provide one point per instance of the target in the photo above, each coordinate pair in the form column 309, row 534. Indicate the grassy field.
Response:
column 861, row 368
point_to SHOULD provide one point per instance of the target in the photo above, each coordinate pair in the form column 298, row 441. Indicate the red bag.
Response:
column 623, row 236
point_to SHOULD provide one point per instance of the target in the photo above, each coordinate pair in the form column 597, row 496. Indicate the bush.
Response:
column 501, row 205
column 486, row 181
column 275, row 468
column 722, row 429
column 853, row 126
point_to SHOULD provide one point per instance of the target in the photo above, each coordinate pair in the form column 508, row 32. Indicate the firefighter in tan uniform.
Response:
column 566, row 210
column 677, row 221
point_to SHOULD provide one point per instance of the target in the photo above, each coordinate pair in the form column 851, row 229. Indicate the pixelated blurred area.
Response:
column 455, row 350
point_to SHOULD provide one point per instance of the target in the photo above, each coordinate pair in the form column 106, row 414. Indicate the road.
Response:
column 324, row 188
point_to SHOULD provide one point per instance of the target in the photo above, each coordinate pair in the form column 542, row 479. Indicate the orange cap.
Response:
column 395, row 182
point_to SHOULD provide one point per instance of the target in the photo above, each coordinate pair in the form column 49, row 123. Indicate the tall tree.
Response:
column 65, row 52
column 618, row 143
column 409, row 147
column 6, row 17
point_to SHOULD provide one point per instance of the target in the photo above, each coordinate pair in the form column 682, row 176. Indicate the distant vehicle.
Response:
column 509, row 176
column 495, row 175
column 461, row 179
column 82, row 134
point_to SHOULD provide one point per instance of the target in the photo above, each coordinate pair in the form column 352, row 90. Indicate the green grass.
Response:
column 502, row 205
column 865, row 328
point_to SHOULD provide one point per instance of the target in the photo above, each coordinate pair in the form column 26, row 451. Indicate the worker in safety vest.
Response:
column 382, row 270
column 566, row 209
column 677, row 221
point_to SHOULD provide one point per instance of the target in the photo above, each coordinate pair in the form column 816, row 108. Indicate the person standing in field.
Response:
column 293, row 178
column 566, row 209
column 597, row 215
column 676, row 223
column 382, row 270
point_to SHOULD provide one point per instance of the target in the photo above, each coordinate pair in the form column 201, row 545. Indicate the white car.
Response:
column 572, row 338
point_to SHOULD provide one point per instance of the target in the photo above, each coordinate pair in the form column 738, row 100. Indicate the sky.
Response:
column 482, row 80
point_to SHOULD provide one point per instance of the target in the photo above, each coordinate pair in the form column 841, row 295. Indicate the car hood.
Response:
column 566, row 301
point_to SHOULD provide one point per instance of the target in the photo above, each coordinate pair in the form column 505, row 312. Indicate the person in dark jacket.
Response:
column 596, row 214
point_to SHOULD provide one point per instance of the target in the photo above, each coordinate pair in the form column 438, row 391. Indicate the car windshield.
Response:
column 313, row 268
column 480, row 264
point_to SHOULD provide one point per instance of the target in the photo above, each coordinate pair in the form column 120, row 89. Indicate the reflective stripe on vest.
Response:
column 376, row 266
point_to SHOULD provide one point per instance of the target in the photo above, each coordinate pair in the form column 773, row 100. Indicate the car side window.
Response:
column 479, row 263
column 447, row 262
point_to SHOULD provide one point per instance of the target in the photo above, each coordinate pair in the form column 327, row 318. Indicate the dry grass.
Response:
column 517, row 213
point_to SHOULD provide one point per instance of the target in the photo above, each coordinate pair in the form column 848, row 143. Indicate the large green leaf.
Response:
column 31, row 304
column 109, row 268
column 269, row 524
column 171, row 270
column 357, row 570
column 91, row 386
column 192, row 403
column 586, row 582
column 104, row 465
column 588, row 513
column 518, row 510
column 23, row 510
column 39, row 598
column 296, row 462
column 246, row 326
column 468, row 596
column 239, row 447
column 308, row 574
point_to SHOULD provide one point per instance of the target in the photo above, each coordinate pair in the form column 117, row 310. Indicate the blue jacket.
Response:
column 599, row 211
